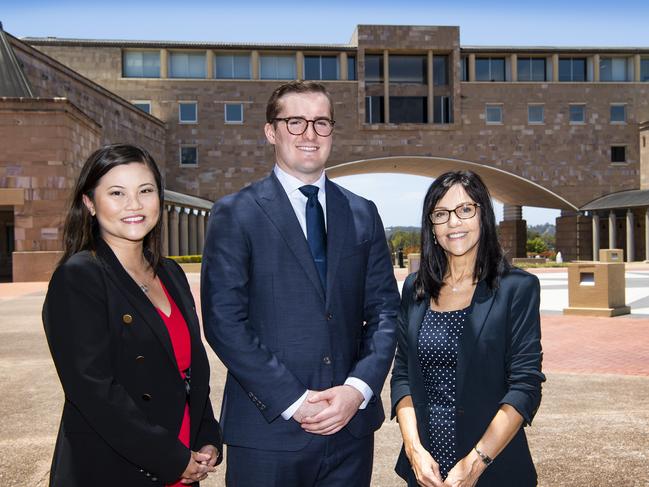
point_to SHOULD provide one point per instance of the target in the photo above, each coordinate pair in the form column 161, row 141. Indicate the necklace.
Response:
column 144, row 288
column 454, row 286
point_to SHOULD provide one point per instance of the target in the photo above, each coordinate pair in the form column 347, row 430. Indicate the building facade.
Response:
column 545, row 126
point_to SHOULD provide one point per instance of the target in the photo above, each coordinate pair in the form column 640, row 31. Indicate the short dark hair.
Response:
column 81, row 230
column 490, row 263
column 273, row 106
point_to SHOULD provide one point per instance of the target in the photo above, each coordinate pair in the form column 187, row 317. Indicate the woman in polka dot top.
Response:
column 467, row 373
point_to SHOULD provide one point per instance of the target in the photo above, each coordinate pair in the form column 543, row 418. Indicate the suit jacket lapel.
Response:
column 416, row 317
column 134, row 295
column 275, row 203
column 480, row 307
column 338, row 219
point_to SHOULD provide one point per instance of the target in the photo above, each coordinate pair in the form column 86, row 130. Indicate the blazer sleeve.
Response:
column 400, row 382
column 524, row 356
column 225, row 274
column 380, row 312
column 76, row 323
column 209, row 431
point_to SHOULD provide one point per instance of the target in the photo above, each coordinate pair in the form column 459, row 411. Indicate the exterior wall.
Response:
column 644, row 155
column 575, row 237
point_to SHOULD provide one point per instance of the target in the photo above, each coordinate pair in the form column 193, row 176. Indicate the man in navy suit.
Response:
column 300, row 303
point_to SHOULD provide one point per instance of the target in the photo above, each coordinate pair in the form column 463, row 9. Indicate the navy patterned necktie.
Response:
column 316, row 234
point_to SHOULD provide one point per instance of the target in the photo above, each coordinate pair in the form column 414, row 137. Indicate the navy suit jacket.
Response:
column 499, row 362
column 276, row 329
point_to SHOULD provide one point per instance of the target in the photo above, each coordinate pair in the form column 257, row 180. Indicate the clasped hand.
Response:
column 327, row 412
column 200, row 464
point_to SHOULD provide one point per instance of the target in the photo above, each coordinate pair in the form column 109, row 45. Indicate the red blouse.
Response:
column 181, row 343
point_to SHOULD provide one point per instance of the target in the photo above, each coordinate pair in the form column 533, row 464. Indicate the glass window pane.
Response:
column 141, row 64
column 145, row 106
column 223, row 65
column 329, row 67
column 312, row 67
column 234, row 112
column 535, row 113
column 538, row 69
column 577, row 114
column 494, row 114
column 464, row 69
column 619, row 69
column 644, row 70
column 408, row 69
column 277, row 67
column 374, row 112
column 605, row 69
column 497, row 69
column 618, row 113
column 618, row 153
column 440, row 70
column 442, row 109
column 351, row 68
column 189, row 156
column 524, row 69
column 373, row 68
column 565, row 69
column 482, row 69
column 188, row 112
column 186, row 65
column 408, row 109
column 242, row 66
column 578, row 69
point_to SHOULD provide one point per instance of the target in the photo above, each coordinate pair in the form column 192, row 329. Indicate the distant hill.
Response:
column 543, row 229
column 390, row 230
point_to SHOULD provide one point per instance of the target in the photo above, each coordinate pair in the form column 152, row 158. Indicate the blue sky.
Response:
column 506, row 23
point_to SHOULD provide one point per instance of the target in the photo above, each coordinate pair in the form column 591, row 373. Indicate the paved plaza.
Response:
column 592, row 428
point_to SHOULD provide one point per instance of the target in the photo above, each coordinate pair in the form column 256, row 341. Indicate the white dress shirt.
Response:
column 298, row 201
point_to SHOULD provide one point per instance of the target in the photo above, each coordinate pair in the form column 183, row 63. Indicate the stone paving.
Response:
column 592, row 428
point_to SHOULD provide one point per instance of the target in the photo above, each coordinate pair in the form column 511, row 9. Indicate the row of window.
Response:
column 540, row 69
column 406, row 69
column 408, row 109
column 536, row 113
column 188, row 111
column 146, row 64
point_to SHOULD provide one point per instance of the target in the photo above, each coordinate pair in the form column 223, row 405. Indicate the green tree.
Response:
column 536, row 245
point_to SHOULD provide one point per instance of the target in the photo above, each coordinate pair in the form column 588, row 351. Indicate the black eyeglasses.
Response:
column 298, row 125
column 463, row 212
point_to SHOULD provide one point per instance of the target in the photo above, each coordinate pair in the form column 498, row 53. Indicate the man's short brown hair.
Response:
column 273, row 106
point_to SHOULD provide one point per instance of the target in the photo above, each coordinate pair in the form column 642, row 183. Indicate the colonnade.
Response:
column 183, row 230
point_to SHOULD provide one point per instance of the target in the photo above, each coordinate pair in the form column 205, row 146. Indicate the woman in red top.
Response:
column 122, row 328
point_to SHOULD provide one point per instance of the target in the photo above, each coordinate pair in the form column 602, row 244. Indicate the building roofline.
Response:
column 561, row 49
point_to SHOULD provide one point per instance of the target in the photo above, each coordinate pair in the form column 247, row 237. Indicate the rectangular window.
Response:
column 644, row 69
column 442, row 109
column 531, row 69
column 374, row 68
column 618, row 113
column 351, row 68
column 577, row 113
column 187, row 65
column 535, row 114
column 141, row 64
column 464, row 68
column 321, row 67
column 408, row 109
column 374, row 112
column 277, row 66
column 490, row 69
column 143, row 105
column 232, row 66
column 187, row 112
column 234, row 113
column 408, row 69
column 613, row 69
column 494, row 114
column 618, row 153
column 440, row 70
column 572, row 69
column 188, row 155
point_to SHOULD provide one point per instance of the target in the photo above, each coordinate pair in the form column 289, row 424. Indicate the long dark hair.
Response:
column 490, row 263
column 81, row 230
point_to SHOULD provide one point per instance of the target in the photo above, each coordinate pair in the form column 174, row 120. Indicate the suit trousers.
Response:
column 337, row 460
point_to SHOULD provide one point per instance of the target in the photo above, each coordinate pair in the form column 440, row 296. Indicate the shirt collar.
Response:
column 291, row 183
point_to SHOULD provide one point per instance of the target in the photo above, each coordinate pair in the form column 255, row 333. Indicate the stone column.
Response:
column 184, row 232
column 646, row 234
column 630, row 236
column 636, row 67
column 201, row 231
column 209, row 64
column 386, row 86
column 611, row 230
column 299, row 65
column 193, row 233
column 431, row 89
column 595, row 236
column 513, row 61
column 342, row 66
column 254, row 64
column 164, row 63
column 513, row 231
column 472, row 67
column 165, row 229
column 555, row 67
column 595, row 68
column 173, row 231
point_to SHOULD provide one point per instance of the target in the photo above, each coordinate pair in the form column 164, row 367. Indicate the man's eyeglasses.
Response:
column 298, row 125
column 463, row 212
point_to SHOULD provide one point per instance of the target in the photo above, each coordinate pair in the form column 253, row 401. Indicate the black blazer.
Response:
column 124, row 396
column 499, row 362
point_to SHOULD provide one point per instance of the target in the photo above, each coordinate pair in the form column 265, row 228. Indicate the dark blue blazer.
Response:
column 276, row 329
column 499, row 362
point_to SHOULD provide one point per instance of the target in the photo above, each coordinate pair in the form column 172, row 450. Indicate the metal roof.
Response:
column 186, row 200
column 13, row 83
column 633, row 198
